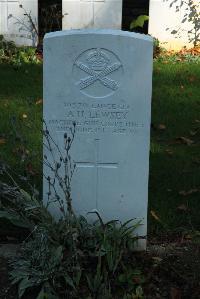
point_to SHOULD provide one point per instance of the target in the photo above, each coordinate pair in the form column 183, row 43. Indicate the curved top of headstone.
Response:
column 99, row 31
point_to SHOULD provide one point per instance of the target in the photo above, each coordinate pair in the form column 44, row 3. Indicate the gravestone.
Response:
column 101, row 79
column 15, row 24
column 81, row 14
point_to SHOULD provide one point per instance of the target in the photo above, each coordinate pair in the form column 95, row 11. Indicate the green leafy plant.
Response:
column 138, row 294
column 71, row 257
column 7, row 49
column 10, row 53
column 25, row 55
column 157, row 49
column 130, row 279
column 139, row 22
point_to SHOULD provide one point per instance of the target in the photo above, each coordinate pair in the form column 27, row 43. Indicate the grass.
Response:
column 175, row 156
column 20, row 117
column 174, row 163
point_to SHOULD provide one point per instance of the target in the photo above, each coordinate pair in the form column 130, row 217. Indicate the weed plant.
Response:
column 71, row 257
column 10, row 53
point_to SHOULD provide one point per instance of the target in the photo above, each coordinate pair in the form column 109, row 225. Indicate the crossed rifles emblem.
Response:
column 98, row 67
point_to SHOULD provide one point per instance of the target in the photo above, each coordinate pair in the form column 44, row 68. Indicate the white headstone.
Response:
column 15, row 24
column 81, row 14
column 102, row 79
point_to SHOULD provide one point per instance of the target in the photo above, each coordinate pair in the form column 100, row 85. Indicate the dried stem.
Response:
column 60, row 164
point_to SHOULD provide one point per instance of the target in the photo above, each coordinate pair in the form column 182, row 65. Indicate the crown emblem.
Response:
column 98, row 66
column 97, row 60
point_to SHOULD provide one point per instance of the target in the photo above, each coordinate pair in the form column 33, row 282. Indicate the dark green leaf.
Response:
column 15, row 219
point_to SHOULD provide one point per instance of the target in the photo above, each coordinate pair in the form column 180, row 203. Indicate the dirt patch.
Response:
column 174, row 271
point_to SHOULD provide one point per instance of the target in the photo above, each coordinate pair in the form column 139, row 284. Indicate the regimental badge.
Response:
column 99, row 65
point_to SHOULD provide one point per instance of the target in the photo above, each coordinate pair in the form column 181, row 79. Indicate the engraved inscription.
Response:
column 97, row 118
column 100, row 65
